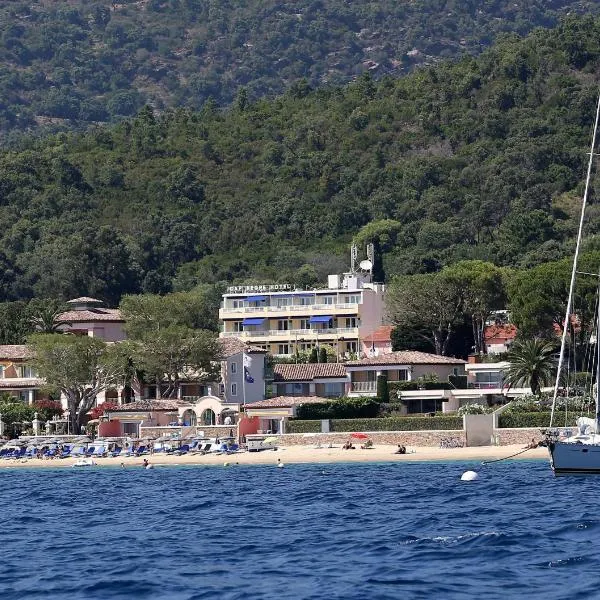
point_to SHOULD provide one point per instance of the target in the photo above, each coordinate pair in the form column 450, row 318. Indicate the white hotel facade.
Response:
column 281, row 320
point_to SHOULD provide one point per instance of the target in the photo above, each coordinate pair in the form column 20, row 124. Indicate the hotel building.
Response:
column 284, row 321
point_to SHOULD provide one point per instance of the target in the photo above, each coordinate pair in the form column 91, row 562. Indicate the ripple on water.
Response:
column 375, row 531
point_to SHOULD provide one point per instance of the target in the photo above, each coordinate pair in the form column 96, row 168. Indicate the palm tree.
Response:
column 45, row 315
column 532, row 363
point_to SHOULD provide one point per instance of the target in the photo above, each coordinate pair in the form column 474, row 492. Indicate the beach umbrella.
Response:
column 359, row 436
column 270, row 440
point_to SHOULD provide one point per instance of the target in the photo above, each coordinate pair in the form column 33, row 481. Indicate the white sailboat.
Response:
column 577, row 454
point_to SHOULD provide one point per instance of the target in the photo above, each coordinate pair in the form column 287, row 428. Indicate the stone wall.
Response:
column 406, row 438
column 522, row 435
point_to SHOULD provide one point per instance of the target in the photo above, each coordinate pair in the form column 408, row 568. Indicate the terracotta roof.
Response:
column 234, row 345
column 21, row 382
column 500, row 332
column 381, row 334
column 162, row 404
column 308, row 372
column 92, row 314
column 406, row 357
column 286, row 401
column 13, row 352
column 84, row 300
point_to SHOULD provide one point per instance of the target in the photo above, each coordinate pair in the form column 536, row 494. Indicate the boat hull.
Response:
column 567, row 458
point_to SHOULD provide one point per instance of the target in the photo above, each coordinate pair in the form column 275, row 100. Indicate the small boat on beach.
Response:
column 84, row 462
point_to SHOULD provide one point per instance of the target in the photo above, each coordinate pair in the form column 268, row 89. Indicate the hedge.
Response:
column 339, row 408
column 532, row 419
column 303, row 427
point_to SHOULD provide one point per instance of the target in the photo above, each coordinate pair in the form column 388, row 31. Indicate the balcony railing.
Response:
column 363, row 386
column 289, row 307
column 292, row 333
column 486, row 385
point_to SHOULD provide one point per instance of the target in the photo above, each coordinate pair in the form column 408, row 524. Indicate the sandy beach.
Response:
column 302, row 454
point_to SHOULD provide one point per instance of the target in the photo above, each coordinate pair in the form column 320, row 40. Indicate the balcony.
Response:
column 293, row 335
column 293, row 310
column 364, row 387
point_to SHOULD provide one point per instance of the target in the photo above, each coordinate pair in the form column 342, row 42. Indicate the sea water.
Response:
column 368, row 531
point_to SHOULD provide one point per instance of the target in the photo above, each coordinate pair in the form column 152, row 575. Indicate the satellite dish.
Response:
column 366, row 265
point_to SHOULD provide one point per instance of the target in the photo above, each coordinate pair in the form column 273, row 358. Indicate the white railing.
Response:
column 293, row 333
column 487, row 385
column 289, row 307
column 363, row 386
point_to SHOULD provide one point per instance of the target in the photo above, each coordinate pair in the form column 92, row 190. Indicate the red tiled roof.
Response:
column 406, row 357
column 14, row 383
column 162, row 404
column 381, row 334
column 84, row 300
column 93, row 314
column 500, row 333
column 234, row 345
column 308, row 372
column 14, row 352
column 286, row 401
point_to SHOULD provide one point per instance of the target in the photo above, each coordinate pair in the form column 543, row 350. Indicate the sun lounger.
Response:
column 116, row 452
column 183, row 450
column 141, row 450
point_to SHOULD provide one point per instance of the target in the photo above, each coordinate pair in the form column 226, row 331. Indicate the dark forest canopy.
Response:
column 66, row 64
column 480, row 159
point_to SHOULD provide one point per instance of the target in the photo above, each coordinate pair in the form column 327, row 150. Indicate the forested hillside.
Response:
column 65, row 64
column 480, row 159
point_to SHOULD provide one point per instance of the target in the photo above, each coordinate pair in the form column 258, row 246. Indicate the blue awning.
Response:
column 320, row 319
column 256, row 298
column 252, row 322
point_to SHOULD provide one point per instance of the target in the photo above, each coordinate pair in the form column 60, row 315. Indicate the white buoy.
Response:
column 279, row 463
column 469, row 476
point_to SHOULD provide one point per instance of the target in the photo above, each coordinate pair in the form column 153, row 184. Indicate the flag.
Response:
column 247, row 376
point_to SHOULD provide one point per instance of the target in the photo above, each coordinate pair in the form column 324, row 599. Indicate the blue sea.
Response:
column 347, row 531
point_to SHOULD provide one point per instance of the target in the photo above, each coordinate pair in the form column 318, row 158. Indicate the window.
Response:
column 351, row 347
column 233, row 391
column 130, row 429
column 353, row 299
column 305, row 347
column 306, row 300
column 281, row 302
column 237, row 303
column 304, row 324
column 1, row 372
column 402, row 374
column 327, row 300
column 283, row 349
column 237, row 326
column 233, row 367
column 333, row 390
column 351, row 322
column 283, row 325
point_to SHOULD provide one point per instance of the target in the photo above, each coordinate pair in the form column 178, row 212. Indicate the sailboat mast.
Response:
column 597, row 362
column 567, row 322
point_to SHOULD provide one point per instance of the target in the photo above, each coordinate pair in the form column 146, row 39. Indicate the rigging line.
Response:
column 574, row 271
column 487, row 462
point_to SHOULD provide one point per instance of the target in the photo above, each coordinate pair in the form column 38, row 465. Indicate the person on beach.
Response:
column 145, row 463
column 401, row 449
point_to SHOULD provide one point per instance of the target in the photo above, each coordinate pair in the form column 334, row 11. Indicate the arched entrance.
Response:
column 189, row 418
column 208, row 417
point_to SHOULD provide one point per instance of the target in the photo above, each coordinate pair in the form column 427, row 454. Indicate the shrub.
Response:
column 398, row 424
column 472, row 409
column 99, row 410
column 339, row 408
column 47, row 409
column 532, row 419
column 303, row 426
column 383, row 392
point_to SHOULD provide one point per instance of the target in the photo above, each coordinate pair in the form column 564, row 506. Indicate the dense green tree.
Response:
column 79, row 367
